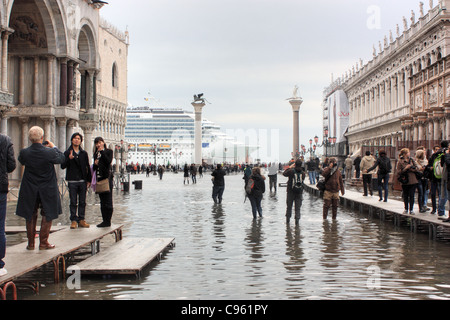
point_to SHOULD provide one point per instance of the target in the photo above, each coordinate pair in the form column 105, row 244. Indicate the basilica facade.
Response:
column 64, row 68
column 401, row 98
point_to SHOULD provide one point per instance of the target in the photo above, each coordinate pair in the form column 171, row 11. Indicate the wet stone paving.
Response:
column 221, row 253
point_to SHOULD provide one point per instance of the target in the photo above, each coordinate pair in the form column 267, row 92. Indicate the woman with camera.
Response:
column 333, row 184
column 102, row 168
column 406, row 171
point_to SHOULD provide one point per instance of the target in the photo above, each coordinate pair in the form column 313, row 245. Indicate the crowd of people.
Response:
column 39, row 190
column 426, row 177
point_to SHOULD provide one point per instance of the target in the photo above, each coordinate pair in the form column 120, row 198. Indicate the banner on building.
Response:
column 338, row 115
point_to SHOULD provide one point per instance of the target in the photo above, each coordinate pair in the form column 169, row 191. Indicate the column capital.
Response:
column 198, row 106
column 62, row 122
column 295, row 103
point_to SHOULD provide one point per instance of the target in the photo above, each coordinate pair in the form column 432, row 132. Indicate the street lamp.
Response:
column 327, row 142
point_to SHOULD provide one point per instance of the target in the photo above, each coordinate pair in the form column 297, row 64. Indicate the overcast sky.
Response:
column 246, row 56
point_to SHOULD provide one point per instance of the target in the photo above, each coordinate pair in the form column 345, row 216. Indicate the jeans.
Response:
column 312, row 177
column 383, row 184
column 367, row 182
column 420, row 194
column 435, row 188
column 256, row 205
column 408, row 196
column 3, row 198
column 218, row 193
column 442, row 200
column 77, row 194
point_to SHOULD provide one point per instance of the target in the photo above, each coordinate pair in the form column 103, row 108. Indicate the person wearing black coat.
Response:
column 39, row 187
column 295, row 170
column 257, row 191
column 78, row 177
column 218, row 183
column 102, row 167
column 7, row 165
column 384, row 168
column 357, row 164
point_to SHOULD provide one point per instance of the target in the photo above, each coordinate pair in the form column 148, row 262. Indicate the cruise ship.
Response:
column 165, row 136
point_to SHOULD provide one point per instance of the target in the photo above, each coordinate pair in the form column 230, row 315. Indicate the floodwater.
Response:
column 221, row 253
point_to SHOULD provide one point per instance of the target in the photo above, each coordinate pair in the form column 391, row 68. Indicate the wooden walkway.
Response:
column 128, row 256
column 393, row 210
column 20, row 261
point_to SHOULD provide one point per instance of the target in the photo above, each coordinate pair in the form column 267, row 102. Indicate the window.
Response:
column 115, row 81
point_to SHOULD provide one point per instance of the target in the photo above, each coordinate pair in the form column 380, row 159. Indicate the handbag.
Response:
column 102, row 186
column 403, row 178
column 321, row 184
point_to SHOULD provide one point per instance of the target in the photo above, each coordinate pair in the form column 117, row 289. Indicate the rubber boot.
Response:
column 326, row 207
column 44, row 234
column 31, row 232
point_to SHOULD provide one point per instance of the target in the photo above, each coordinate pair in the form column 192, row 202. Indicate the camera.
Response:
column 45, row 143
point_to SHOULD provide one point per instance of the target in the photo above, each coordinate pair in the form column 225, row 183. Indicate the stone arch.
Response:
column 40, row 24
column 87, row 49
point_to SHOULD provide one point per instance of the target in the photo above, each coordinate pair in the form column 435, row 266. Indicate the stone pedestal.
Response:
column 198, row 107
column 296, row 103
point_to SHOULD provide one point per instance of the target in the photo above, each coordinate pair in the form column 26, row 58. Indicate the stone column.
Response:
column 88, row 139
column 4, row 124
column 5, row 37
column 36, row 81
column 21, row 80
column 47, row 128
column 69, row 131
column 91, row 91
column 296, row 103
column 447, row 121
column 198, row 107
column 70, row 70
column 50, row 60
column 63, row 82
column 62, row 133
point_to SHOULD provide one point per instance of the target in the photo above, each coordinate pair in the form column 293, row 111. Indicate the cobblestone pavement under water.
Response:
column 222, row 253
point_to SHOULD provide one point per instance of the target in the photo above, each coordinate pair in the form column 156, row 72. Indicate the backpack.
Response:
column 249, row 187
column 297, row 183
column 437, row 166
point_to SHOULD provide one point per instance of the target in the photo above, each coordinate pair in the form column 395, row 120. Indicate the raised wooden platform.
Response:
column 128, row 256
column 392, row 209
column 19, row 260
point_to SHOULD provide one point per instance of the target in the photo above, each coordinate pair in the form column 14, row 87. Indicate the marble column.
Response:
column 21, row 80
column 88, row 140
column 295, row 104
column 69, row 131
column 4, row 124
column 5, row 37
column 36, row 81
column 70, row 78
column 47, row 128
column 62, row 133
column 50, row 60
column 198, row 107
column 63, row 82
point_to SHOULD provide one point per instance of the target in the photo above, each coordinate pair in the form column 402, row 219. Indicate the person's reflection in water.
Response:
column 218, row 215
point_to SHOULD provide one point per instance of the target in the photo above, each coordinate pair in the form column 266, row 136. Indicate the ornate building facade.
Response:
column 401, row 98
column 56, row 72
